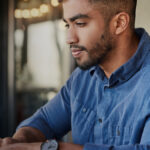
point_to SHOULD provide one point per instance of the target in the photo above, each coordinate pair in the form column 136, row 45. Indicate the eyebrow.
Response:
column 78, row 16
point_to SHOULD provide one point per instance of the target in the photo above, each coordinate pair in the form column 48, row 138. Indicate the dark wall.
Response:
column 3, row 68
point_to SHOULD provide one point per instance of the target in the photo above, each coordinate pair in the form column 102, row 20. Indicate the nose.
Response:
column 72, row 37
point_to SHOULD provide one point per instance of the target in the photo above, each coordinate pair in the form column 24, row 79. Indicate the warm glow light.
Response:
column 44, row 8
column 35, row 12
column 54, row 3
column 18, row 13
column 26, row 14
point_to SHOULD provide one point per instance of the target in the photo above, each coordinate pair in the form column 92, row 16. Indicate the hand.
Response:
column 7, row 140
column 22, row 146
column 68, row 146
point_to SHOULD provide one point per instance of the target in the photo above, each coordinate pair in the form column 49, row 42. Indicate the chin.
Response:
column 90, row 63
column 86, row 66
column 83, row 67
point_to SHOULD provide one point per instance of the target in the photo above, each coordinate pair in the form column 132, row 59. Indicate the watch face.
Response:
column 53, row 144
column 50, row 145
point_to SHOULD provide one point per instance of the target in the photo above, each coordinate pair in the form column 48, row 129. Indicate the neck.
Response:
column 125, row 48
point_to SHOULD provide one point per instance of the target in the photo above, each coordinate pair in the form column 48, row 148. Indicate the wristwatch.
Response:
column 49, row 145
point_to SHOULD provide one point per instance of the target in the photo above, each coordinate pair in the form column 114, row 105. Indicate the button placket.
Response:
column 118, row 131
column 84, row 110
column 100, row 120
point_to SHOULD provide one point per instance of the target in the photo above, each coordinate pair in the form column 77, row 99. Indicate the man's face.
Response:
column 88, row 36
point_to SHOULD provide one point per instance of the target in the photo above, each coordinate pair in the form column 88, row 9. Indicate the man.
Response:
column 105, row 102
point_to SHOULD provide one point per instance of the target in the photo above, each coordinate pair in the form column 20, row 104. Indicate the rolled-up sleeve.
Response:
column 54, row 118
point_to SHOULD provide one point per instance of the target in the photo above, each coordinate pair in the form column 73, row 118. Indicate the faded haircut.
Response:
column 110, row 8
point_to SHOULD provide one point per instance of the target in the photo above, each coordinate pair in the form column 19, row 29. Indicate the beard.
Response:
column 98, row 53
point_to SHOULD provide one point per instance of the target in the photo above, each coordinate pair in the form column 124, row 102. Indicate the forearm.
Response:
column 69, row 146
column 22, row 146
column 28, row 135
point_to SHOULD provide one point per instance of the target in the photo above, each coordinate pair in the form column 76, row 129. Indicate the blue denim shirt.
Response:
column 103, row 114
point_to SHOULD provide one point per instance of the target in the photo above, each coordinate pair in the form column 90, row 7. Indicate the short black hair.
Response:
column 113, row 7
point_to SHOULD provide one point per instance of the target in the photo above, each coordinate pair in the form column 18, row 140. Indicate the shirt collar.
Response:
column 92, row 70
column 127, row 70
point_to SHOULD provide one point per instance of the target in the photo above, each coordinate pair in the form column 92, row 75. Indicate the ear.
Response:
column 120, row 22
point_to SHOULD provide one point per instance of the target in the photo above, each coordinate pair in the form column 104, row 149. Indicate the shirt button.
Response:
column 84, row 109
column 100, row 120
column 118, row 132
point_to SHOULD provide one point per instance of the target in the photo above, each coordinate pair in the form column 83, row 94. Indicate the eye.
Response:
column 80, row 24
column 67, row 26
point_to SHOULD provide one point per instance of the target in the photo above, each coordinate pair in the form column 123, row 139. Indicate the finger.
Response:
column 6, row 141
column 0, row 142
column 5, row 148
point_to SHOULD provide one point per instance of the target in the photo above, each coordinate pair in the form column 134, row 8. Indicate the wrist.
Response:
column 19, row 139
column 36, row 146
column 69, row 146
column 50, row 145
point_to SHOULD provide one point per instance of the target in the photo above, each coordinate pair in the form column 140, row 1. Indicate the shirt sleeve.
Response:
column 54, row 118
column 143, row 145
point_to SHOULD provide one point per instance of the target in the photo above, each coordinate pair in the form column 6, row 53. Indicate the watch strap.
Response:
column 49, row 145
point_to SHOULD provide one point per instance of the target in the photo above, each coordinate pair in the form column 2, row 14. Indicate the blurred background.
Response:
column 34, row 59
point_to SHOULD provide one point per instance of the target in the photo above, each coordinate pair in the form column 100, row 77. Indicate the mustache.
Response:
column 79, row 47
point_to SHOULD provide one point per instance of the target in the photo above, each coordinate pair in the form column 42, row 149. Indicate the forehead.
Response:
column 74, row 7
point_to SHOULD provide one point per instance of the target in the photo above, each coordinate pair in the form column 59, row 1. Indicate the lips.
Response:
column 76, row 52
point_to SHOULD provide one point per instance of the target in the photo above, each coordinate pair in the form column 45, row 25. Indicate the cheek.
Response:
column 89, row 40
column 90, row 35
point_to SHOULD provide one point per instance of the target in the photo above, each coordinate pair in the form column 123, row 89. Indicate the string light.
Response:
column 54, row 3
column 35, row 12
column 18, row 13
column 44, row 8
column 26, row 14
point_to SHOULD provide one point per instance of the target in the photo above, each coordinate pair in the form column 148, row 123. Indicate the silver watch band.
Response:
column 49, row 145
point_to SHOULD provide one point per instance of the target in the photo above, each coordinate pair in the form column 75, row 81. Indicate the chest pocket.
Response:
column 83, row 119
column 116, row 135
